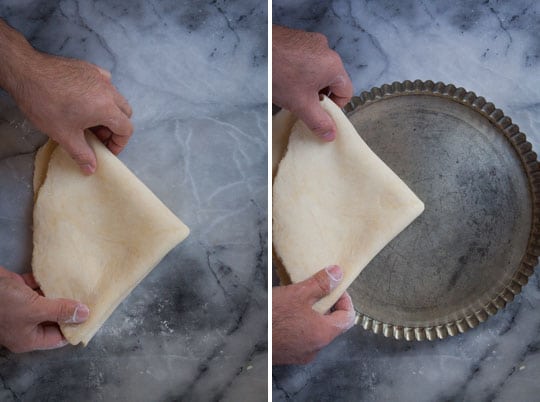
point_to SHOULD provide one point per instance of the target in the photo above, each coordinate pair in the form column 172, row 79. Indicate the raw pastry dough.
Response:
column 95, row 237
column 282, row 124
column 43, row 156
column 335, row 203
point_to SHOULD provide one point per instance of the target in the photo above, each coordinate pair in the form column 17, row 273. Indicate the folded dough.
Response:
column 95, row 237
column 335, row 203
column 282, row 124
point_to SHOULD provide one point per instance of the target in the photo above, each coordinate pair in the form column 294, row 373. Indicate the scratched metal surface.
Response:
column 473, row 233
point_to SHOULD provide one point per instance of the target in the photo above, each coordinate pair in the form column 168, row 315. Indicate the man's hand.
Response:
column 28, row 320
column 302, row 67
column 62, row 97
column 298, row 331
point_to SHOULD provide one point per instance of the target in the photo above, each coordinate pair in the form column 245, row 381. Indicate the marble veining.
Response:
column 195, row 74
column 492, row 48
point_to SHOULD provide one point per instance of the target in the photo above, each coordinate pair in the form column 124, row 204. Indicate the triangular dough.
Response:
column 335, row 203
column 95, row 237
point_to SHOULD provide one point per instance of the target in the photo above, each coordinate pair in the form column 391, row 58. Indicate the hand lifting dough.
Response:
column 335, row 203
column 95, row 237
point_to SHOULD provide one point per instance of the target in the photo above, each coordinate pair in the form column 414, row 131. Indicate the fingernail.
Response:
column 329, row 136
column 88, row 169
column 334, row 272
column 80, row 314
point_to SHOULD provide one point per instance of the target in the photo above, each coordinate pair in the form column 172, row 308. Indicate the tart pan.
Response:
column 477, row 242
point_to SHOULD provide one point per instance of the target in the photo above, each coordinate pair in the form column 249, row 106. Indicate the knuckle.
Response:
column 316, row 123
column 63, row 312
column 74, row 144
column 33, row 298
column 322, row 281
column 319, row 128
column 80, row 156
column 297, row 291
column 319, row 38
column 106, row 104
column 333, row 58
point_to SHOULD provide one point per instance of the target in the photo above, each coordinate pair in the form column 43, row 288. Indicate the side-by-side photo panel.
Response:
column 404, row 200
column 133, row 201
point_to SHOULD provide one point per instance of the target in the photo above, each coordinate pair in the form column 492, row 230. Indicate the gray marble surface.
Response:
column 195, row 74
column 492, row 48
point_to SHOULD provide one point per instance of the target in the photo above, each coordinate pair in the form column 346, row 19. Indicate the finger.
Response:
column 341, row 89
column 341, row 320
column 322, row 283
column 344, row 303
column 121, row 128
column 30, row 281
column 63, row 311
column 317, row 119
column 341, row 102
column 343, row 317
column 104, row 73
column 103, row 133
column 48, row 337
column 120, row 125
column 113, row 146
column 81, row 152
column 122, row 104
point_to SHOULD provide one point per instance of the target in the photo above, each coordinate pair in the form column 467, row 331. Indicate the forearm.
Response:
column 15, row 58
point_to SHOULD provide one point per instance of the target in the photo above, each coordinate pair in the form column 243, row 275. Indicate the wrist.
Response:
column 16, row 58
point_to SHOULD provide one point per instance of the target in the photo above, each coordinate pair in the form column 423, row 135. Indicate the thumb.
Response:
column 62, row 311
column 81, row 152
column 323, row 282
column 317, row 120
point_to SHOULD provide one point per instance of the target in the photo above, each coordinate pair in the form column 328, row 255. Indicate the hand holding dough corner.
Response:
column 27, row 319
column 335, row 203
column 95, row 237
column 298, row 332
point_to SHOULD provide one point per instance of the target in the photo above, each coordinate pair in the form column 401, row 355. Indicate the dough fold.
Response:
column 95, row 237
column 335, row 203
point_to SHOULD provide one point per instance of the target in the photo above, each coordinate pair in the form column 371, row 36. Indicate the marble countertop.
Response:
column 491, row 48
column 195, row 74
